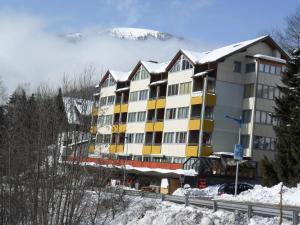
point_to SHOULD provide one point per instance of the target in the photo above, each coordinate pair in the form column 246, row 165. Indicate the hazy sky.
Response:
column 30, row 50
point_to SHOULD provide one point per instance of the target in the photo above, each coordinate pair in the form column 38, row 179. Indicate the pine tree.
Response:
column 287, row 113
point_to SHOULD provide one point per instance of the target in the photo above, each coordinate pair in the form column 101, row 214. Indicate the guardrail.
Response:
column 250, row 208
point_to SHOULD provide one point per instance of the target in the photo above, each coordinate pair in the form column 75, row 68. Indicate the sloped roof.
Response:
column 216, row 54
column 219, row 53
column 153, row 67
column 119, row 75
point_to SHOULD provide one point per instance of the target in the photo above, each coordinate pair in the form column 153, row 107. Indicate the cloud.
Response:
column 29, row 53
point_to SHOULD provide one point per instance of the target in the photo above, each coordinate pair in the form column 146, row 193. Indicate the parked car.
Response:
column 229, row 188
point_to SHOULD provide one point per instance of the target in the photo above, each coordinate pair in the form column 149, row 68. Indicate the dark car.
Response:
column 229, row 188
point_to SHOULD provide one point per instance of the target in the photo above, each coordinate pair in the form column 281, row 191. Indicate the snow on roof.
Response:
column 202, row 73
column 153, row 67
column 119, row 75
column 158, row 82
column 214, row 55
column 122, row 89
column 270, row 58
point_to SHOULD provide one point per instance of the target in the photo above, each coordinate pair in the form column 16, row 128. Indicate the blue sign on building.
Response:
column 238, row 152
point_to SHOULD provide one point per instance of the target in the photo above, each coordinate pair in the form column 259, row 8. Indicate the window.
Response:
column 183, row 112
column 264, row 143
column 173, row 89
column 143, row 95
column 259, row 90
column 265, row 92
column 248, row 90
column 133, row 96
column 261, row 67
column 139, row 138
column 106, row 138
column 245, row 141
column 278, row 70
column 186, row 64
column 130, row 138
column 263, row 117
column 267, row 68
column 247, row 116
column 103, row 101
column 136, row 76
column 110, row 100
column 144, row 73
column 131, row 117
column 272, row 70
column 237, row 66
column 168, row 137
column 108, row 119
column 180, row 137
column 209, row 113
column 170, row 113
column 185, row 88
column 176, row 66
column 181, row 64
column 250, row 67
column 99, row 138
column 141, row 116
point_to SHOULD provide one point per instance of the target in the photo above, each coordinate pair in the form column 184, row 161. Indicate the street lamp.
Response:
column 239, row 121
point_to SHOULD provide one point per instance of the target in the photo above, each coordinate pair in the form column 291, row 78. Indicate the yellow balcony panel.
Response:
column 122, row 128
column 95, row 111
column 120, row 149
column 151, row 149
column 210, row 100
column 157, row 126
column 91, row 148
column 124, row 108
column 117, row 108
column 114, row 128
column 192, row 150
column 161, row 103
column 151, row 104
column 194, row 124
column 93, row 130
column 149, row 127
column 112, row 149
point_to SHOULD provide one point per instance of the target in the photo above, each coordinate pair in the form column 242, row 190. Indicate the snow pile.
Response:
column 210, row 191
column 291, row 196
column 143, row 211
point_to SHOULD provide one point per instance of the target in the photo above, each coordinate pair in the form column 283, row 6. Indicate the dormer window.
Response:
column 181, row 64
column 141, row 74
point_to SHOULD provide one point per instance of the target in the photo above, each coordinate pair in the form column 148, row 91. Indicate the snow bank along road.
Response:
column 251, row 208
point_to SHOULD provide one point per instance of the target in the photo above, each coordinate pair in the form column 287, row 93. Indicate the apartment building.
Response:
column 175, row 111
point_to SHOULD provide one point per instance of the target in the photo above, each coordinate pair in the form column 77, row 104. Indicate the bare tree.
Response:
column 37, row 185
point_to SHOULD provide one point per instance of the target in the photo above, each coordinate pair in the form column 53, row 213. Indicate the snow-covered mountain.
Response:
column 125, row 33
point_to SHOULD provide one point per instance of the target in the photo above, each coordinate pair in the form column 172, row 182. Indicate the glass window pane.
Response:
column 259, row 90
column 265, row 91
column 261, row 67
column 267, row 68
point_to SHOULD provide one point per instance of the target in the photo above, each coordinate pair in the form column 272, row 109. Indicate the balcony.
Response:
column 156, row 103
column 210, row 100
column 91, row 148
column 151, row 149
column 95, row 111
column 93, row 129
column 195, row 124
column 118, row 128
column 154, row 126
column 192, row 150
column 116, row 148
column 121, row 108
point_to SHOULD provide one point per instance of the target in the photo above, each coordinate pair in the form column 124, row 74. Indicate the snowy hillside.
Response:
column 124, row 33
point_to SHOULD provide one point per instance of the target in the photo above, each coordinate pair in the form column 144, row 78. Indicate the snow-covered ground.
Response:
column 143, row 211
column 291, row 196
column 210, row 191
